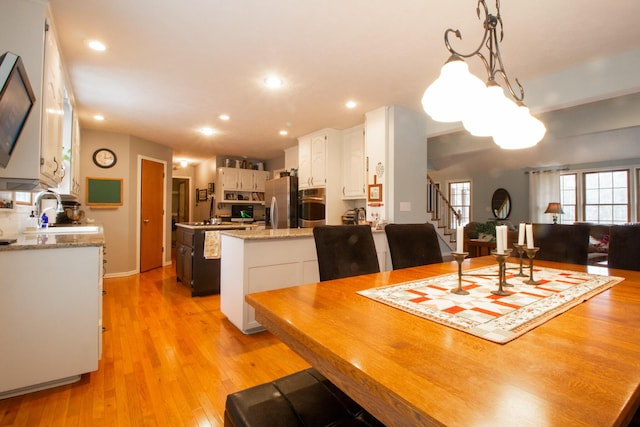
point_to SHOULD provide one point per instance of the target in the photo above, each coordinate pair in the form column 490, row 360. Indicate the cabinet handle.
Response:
column 343, row 190
column 57, row 166
column 145, row 221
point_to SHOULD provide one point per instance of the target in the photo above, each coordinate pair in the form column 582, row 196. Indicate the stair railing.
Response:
column 441, row 210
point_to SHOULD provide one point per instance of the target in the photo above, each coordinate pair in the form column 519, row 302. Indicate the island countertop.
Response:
column 54, row 240
column 223, row 226
column 280, row 233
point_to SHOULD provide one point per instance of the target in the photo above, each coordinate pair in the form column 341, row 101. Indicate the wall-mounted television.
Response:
column 16, row 101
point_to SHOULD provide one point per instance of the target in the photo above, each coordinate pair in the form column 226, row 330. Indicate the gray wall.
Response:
column 121, row 223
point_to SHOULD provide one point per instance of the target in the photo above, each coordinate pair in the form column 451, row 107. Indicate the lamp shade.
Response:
column 554, row 208
column 522, row 130
column 446, row 97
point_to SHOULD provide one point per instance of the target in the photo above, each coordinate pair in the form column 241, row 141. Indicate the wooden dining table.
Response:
column 580, row 368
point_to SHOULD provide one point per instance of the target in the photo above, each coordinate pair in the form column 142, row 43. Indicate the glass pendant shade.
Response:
column 444, row 98
column 523, row 131
column 488, row 112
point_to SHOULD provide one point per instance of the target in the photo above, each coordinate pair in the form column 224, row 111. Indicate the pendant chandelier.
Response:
column 483, row 108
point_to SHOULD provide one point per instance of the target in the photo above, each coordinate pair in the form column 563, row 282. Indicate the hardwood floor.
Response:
column 168, row 360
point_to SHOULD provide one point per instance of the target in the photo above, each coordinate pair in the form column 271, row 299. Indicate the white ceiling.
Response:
column 173, row 66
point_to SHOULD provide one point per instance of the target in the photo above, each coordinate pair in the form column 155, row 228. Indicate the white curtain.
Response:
column 544, row 187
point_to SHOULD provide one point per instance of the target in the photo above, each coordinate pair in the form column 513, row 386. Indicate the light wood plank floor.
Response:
column 168, row 360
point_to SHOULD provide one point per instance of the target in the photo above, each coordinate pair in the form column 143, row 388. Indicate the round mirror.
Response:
column 501, row 203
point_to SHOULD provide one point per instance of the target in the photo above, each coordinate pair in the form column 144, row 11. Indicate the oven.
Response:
column 311, row 207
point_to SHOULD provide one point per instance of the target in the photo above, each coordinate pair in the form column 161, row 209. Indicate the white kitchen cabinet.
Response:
column 312, row 161
column 53, row 98
column 36, row 161
column 353, row 163
column 70, row 183
column 270, row 262
column 246, row 183
column 50, row 316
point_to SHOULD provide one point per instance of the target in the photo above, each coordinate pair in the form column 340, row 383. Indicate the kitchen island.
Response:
column 198, row 255
column 260, row 260
column 50, row 308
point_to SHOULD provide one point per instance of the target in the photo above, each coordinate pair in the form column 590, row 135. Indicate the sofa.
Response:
column 598, row 238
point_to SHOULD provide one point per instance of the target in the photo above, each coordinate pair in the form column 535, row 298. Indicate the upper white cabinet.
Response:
column 312, row 160
column 26, row 29
column 53, row 100
column 353, row 163
column 244, row 185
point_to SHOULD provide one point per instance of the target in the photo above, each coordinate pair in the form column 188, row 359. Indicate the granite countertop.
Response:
column 223, row 226
column 280, row 233
column 54, row 240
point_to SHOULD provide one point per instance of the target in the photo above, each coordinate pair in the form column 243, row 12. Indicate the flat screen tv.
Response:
column 16, row 102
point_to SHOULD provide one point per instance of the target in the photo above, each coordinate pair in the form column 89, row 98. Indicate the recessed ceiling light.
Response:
column 284, row 132
column 207, row 131
column 224, row 117
column 273, row 82
column 98, row 118
column 351, row 104
column 97, row 45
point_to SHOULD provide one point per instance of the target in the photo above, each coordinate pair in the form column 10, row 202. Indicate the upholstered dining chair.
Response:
column 345, row 251
column 413, row 244
column 562, row 242
column 624, row 247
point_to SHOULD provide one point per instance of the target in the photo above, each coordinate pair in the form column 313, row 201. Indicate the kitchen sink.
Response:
column 70, row 229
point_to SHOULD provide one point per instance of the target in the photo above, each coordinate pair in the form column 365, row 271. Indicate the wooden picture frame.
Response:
column 374, row 193
column 211, row 188
column 202, row 195
column 104, row 192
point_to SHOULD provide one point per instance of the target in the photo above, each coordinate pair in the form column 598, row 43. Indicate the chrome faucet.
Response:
column 41, row 195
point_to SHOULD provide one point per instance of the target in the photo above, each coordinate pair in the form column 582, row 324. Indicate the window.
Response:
column 460, row 199
column 606, row 197
column 602, row 196
column 568, row 198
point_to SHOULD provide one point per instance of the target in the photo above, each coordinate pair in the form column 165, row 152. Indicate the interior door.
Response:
column 152, row 214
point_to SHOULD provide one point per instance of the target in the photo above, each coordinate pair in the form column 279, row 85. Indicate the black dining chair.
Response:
column 562, row 242
column 624, row 247
column 345, row 251
column 413, row 244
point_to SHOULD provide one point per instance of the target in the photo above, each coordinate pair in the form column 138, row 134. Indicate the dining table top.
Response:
column 581, row 367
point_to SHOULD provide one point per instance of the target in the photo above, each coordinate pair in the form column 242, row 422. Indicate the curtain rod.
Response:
column 546, row 170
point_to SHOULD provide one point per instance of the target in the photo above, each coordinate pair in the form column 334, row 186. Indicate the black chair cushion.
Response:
column 624, row 247
column 562, row 242
column 413, row 244
column 345, row 251
column 305, row 398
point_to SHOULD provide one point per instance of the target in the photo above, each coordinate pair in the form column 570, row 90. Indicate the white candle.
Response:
column 505, row 234
column 521, row 233
column 530, row 236
column 499, row 240
column 459, row 239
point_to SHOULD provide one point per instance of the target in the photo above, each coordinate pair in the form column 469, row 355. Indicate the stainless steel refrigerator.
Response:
column 281, row 202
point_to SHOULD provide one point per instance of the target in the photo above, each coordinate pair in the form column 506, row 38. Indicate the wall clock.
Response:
column 104, row 158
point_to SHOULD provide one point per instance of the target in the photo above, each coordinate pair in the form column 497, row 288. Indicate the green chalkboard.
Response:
column 104, row 192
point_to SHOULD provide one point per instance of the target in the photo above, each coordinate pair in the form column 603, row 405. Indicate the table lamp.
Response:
column 555, row 209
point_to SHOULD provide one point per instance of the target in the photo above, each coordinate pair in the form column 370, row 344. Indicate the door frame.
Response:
column 167, row 178
column 189, row 193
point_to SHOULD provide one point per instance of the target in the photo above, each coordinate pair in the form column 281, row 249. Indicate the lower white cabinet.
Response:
column 251, row 265
column 50, row 317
